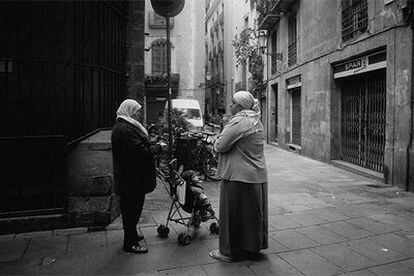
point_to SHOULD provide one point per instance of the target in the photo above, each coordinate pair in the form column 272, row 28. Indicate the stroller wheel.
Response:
column 214, row 228
column 163, row 231
column 187, row 240
column 184, row 239
column 180, row 238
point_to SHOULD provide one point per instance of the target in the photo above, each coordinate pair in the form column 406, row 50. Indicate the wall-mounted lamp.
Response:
column 262, row 44
column 262, row 40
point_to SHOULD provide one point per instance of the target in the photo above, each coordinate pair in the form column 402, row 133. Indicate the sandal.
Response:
column 137, row 249
column 216, row 254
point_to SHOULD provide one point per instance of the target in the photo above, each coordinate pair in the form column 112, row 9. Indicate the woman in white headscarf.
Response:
column 243, row 194
column 134, row 170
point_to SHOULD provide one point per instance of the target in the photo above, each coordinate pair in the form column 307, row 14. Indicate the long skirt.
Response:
column 243, row 217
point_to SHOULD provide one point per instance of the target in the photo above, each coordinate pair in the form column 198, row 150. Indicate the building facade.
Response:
column 226, row 20
column 187, row 57
column 342, row 91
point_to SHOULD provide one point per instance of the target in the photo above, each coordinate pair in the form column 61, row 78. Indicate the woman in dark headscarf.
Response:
column 243, row 194
column 134, row 170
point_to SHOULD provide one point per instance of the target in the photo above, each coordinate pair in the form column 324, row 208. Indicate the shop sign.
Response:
column 293, row 82
column 361, row 65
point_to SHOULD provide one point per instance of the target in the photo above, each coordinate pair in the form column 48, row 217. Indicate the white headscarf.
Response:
column 251, row 107
column 244, row 99
column 127, row 109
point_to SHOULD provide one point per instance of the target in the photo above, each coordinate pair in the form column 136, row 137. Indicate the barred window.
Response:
column 354, row 18
column 274, row 51
column 159, row 56
column 292, row 53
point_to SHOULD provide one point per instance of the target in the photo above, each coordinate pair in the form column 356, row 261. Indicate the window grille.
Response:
column 159, row 57
column 292, row 53
column 354, row 18
column 274, row 51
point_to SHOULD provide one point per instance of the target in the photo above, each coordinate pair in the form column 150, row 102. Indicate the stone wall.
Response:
column 135, row 53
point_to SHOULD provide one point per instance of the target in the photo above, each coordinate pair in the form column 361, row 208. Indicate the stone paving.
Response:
column 322, row 221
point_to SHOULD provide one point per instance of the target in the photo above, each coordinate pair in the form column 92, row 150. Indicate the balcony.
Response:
column 156, row 21
column 160, row 80
column 268, row 22
column 271, row 11
column 216, row 25
column 221, row 19
column 220, row 47
column 218, row 80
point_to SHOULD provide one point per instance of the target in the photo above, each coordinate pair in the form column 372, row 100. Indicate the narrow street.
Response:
column 322, row 221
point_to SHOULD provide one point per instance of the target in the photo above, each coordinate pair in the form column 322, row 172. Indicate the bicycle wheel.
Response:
column 210, row 162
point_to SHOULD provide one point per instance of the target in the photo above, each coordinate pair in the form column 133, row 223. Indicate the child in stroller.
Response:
column 196, row 200
column 188, row 196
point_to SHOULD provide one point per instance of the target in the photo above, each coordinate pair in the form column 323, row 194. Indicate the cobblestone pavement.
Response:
column 322, row 221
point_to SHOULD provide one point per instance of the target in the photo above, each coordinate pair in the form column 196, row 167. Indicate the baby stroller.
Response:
column 189, row 197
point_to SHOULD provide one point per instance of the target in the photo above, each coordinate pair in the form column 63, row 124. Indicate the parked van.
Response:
column 190, row 110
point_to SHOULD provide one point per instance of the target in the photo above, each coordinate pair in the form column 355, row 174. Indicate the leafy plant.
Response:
column 245, row 46
column 264, row 6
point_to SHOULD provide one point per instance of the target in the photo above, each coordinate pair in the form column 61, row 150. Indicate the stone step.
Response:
column 22, row 224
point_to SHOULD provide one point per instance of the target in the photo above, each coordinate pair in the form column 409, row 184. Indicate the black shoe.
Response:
column 137, row 249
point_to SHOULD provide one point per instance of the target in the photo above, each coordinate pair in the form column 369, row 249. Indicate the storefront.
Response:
column 362, row 83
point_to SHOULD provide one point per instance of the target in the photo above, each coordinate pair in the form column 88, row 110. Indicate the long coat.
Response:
column 133, row 161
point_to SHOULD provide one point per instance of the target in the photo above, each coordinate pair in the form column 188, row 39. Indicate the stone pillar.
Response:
column 91, row 200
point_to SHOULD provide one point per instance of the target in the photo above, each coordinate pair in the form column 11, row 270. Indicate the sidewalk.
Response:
column 322, row 221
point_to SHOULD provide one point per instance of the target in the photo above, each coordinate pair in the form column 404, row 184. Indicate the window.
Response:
column 159, row 56
column 274, row 51
column 292, row 53
column 354, row 18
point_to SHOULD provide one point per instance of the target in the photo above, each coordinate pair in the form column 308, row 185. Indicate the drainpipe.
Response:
column 410, row 171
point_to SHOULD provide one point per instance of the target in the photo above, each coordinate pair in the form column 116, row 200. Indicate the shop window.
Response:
column 354, row 18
